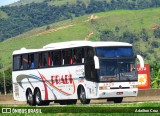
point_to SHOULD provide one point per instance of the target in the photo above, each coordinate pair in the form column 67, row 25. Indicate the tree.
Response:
column 129, row 37
column 144, row 35
column 157, row 33
column 155, row 75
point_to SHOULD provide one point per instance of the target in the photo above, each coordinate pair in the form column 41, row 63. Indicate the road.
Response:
column 8, row 100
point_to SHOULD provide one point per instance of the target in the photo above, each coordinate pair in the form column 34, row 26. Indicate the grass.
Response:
column 95, row 109
column 3, row 15
column 24, row 2
column 133, row 21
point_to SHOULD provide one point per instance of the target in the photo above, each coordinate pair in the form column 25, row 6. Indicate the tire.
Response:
column 30, row 98
column 82, row 96
column 38, row 99
column 118, row 100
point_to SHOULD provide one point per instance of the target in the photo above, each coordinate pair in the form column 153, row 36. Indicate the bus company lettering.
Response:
column 63, row 79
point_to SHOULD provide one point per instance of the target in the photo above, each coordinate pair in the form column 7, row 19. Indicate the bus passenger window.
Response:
column 25, row 61
column 31, row 61
column 78, row 55
column 57, row 58
column 67, row 55
column 52, row 58
column 16, row 62
column 40, row 60
column 45, row 59
column 21, row 65
column 36, row 60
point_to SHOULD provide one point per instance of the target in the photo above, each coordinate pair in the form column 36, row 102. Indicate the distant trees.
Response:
column 155, row 75
column 157, row 33
column 126, row 36
column 8, row 81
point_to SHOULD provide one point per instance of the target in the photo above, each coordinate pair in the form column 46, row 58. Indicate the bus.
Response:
column 75, row 70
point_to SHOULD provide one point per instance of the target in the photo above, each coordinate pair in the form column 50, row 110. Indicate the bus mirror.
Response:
column 141, row 61
column 96, row 61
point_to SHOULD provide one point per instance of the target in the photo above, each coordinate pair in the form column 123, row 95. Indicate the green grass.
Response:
column 3, row 15
column 95, row 109
column 133, row 20
column 24, row 2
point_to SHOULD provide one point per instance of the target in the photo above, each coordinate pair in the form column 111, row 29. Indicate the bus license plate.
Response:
column 119, row 93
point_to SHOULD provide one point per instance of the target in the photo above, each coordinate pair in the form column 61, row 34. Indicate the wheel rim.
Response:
column 38, row 97
column 30, row 97
column 82, row 95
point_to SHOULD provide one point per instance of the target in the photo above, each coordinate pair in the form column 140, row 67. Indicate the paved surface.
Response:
column 8, row 100
column 143, row 96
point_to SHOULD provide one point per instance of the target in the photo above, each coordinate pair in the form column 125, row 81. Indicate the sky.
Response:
column 7, row 2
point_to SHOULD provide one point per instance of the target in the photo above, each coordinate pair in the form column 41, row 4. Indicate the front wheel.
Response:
column 82, row 96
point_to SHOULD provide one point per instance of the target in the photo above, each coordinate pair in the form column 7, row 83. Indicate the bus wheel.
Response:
column 38, row 97
column 30, row 98
column 82, row 96
column 118, row 100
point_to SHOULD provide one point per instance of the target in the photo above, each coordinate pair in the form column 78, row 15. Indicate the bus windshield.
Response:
column 114, row 52
column 116, row 64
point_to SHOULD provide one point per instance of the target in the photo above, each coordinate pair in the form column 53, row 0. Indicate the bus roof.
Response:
column 72, row 44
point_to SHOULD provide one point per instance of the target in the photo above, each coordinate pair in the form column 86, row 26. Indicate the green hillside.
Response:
column 77, row 29
column 3, row 15
column 24, row 2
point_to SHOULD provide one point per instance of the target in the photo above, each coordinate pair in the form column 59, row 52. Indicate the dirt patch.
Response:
column 53, row 30
column 154, row 27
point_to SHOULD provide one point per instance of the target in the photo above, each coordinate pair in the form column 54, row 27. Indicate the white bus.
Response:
column 67, row 71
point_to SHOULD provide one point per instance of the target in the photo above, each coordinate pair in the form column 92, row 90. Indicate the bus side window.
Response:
column 21, row 64
column 78, row 55
column 57, row 58
column 25, row 61
column 36, row 60
column 67, row 55
column 89, row 65
column 31, row 61
column 40, row 60
column 49, row 59
column 74, row 56
column 16, row 62
column 52, row 58
column 45, row 59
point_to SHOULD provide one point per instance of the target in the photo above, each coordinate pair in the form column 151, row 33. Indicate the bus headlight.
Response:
column 133, row 86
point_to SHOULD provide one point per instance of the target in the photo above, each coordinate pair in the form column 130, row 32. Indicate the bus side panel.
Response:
column 54, row 83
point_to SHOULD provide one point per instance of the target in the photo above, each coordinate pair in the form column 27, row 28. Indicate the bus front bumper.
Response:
column 118, row 93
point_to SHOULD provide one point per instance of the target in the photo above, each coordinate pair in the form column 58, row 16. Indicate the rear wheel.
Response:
column 30, row 98
column 38, row 99
column 82, row 96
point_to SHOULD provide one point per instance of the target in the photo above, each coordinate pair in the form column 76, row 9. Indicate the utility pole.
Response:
column 4, row 80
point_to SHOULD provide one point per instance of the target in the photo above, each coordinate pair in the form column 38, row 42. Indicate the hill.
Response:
column 136, row 26
column 26, row 15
